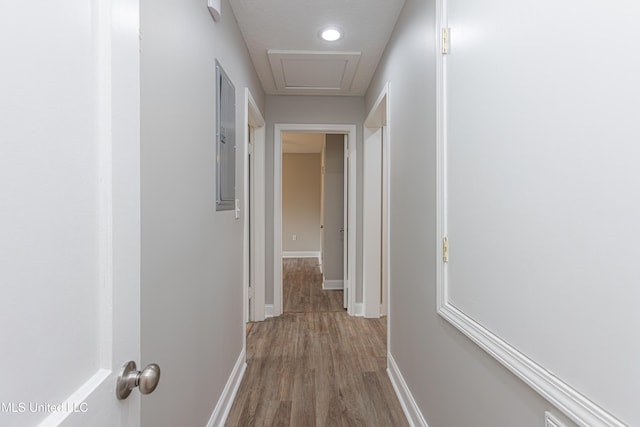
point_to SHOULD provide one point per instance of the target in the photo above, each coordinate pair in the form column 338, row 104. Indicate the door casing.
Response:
column 254, row 248
column 375, row 216
column 350, row 281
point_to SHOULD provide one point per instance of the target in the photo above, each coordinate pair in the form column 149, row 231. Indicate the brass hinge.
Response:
column 445, row 249
column 445, row 41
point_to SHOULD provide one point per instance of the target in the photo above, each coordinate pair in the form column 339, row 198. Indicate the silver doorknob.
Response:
column 129, row 378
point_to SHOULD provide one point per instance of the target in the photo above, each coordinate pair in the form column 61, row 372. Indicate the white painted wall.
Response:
column 542, row 207
column 192, row 318
column 453, row 381
column 334, row 208
column 313, row 110
column 301, row 178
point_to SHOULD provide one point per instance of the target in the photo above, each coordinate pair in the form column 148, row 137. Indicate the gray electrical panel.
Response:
column 225, row 141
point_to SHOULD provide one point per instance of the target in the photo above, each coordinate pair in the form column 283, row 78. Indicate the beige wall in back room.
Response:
column 301, row 202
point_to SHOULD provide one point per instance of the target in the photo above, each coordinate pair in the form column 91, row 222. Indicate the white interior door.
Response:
column 345, row 242
column 375, row 219
column 385, row 222
column 252, row 227
column 255, row 221
column 69, row 212
column 323, row 202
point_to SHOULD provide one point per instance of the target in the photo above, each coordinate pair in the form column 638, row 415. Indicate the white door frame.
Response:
column 375, row 216
column 350, row 282
column 254, row 123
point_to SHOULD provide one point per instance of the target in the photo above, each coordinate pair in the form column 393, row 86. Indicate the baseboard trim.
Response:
column 221, row 411
column 300, row 254
column 409, row 406
column 268, row 310
column 330, row 285
column 358, row 309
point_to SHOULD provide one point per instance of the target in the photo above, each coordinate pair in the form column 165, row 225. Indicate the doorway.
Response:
column 254, row 219
column 313, row 219
column 375, row 239
column 349, row 133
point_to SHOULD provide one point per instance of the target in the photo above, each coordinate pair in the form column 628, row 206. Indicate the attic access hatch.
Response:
column 313, row 73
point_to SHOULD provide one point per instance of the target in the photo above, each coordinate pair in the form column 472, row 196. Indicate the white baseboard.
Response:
column 268, row 310
column 333, row 285
column 301, row 254
column 221, row 411
column 409, row 406
column 358, row 309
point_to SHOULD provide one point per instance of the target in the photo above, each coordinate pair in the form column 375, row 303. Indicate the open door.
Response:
column 384, row 289
column 332, row 202
column 254, row 226
column 345, row 233
column 375, row 201
column 70, row 215
column 323, row 188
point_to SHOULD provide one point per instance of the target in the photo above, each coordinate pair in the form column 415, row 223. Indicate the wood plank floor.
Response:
column 317, row 366
column 302, row 288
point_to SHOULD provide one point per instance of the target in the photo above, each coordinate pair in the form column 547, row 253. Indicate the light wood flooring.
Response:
column 315, row 365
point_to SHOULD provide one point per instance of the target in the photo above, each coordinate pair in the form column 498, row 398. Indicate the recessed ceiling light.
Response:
column 330, row 34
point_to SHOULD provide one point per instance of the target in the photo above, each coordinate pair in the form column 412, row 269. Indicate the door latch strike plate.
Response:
column 445, row 41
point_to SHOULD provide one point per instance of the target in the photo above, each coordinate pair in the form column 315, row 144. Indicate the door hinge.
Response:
column 445, row 249
column 251, row 149
column 445, row 41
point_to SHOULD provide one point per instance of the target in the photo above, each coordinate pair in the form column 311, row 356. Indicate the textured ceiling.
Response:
column 293, row 27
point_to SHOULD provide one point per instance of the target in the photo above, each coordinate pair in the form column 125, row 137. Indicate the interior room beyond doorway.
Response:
column 313, row 208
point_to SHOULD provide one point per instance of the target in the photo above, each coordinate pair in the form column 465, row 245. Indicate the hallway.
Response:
column 315, row 365
column 490, row 203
